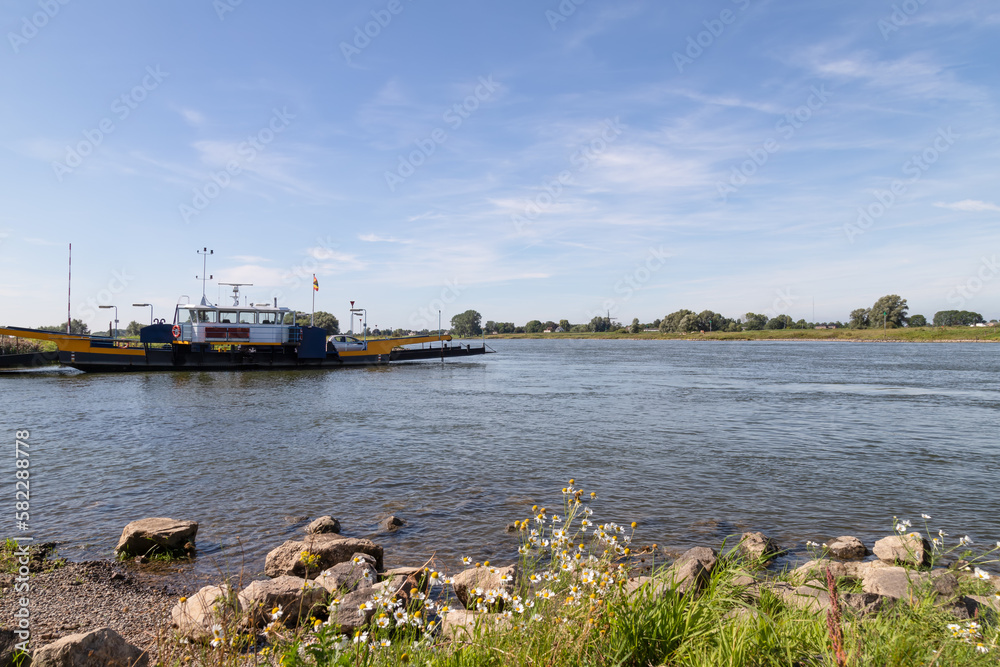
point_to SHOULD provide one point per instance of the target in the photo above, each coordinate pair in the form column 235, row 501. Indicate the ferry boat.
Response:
column 249, row 337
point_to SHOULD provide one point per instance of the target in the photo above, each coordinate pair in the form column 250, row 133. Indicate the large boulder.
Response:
column 902, row 583
column 486, row 578
column 893, row 582
column 316, row 553
column 103, row 647
column 359, row 572
column 758, row 546
column 847, row 547
column 194, row 616
column 146, row 537
column 355, row 611
column 324, row 524
column 294, row 596
column 815, row 597
column 904, row 550
column 459, row 624
column 816, row 569
column 692, row 570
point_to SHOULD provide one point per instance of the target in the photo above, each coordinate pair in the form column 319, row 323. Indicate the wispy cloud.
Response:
column 192, row 117
column 970, row 205
column 375, row 238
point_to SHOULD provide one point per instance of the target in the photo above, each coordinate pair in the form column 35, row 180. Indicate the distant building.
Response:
column 560, row 330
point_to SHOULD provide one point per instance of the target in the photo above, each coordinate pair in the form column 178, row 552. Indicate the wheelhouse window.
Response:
column 187, row 315
column 228, row 317
column 247, row 317
column 206, row 316
column 267, row 318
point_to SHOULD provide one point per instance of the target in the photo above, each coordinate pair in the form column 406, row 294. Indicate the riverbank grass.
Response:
column 574, row 599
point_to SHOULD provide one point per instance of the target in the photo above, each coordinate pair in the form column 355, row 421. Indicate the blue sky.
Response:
column 526, row 159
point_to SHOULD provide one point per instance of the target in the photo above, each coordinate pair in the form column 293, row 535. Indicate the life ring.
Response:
column 176, row 331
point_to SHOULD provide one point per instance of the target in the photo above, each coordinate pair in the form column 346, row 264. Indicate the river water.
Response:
column 694, row 440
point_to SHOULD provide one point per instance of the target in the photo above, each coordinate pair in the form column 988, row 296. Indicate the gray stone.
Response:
column 325, row 550
column 816, row 569
column 486, row 578
column 944, row 584
column 194, row 616
column 758, row 546
column 649, row 585
column 893, row 582
column 459, row 624
column 391, row 524
column 157, row 535
column 904, row 550
column 864, row 603
column 8, row 640
column 350, row 614
column 296, row 597
column 982, row 607
column 691, row 571
column 103, row 647
column 900, row 583
column 847, row 548
column 349, row 576
column 815, row 596
column 324, row 524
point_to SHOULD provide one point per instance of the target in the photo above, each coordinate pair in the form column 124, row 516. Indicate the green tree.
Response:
column 467, row 324
column 711, row 321
column 890, row 307
column 636, row 327
column 534, row 326
column 75, row 327
column 132, row 330
column 672, row 322
column 754, row 322
column 953, row 318
column 490, row 326
column 599, row 323
column 565, row 325
column 325, row 320
column 780, row 322
column 320, row 318
column 859, row 318
column 917, row 321
column 550, row 325
column 506, row 327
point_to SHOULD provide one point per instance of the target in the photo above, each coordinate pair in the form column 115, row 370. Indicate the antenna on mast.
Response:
column 204, row 252
column 236, row 291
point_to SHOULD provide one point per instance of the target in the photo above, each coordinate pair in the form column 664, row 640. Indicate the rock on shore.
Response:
column 147, row 537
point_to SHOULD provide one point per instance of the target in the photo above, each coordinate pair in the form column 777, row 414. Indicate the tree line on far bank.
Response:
column 889, row 311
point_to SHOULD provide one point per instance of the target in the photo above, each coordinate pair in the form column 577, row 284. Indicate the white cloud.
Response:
column 192, row 117
column 970, row 205
column 250, row 259
column 375, row 238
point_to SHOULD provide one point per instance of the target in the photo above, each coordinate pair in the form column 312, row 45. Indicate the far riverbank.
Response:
column 906, row 335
